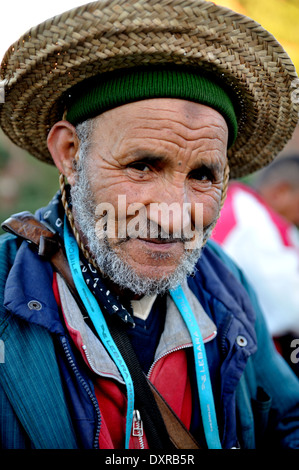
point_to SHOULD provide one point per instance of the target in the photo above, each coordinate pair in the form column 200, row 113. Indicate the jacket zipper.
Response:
column 86, row 354
column 87, row 390
column 178, row 348
column 137, row 428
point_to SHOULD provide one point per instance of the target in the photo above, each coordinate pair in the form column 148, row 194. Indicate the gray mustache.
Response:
column 147, row 229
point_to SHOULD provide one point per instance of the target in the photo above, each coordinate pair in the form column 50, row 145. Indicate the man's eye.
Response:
column 140, row 166
column 202, row 174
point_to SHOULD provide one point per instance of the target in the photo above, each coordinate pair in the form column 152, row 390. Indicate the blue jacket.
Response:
column 47, row 398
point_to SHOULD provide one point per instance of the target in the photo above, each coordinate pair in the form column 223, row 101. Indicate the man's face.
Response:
column 151, row 152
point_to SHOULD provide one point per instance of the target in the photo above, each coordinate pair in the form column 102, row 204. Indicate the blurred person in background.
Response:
column 258, row 228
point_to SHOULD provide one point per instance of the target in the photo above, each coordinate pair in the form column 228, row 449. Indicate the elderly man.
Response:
column 143, row 107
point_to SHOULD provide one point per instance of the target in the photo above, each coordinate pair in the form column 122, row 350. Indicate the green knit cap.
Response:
column 110, row 90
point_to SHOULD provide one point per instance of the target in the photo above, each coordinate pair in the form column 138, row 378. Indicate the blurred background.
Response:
column 25, row 183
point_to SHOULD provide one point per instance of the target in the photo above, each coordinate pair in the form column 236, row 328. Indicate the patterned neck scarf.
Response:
column 53, row 215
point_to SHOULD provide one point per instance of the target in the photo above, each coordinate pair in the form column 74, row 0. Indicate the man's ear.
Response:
column 63, row 144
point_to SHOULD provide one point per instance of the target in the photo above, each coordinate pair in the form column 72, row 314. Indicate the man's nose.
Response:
column 172, row 211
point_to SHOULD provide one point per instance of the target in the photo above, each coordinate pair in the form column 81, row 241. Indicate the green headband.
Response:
column 110, row 90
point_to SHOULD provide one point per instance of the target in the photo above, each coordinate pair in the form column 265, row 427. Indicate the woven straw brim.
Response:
column 107, row 35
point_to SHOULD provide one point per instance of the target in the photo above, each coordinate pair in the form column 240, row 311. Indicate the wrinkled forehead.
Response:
column 150, row 125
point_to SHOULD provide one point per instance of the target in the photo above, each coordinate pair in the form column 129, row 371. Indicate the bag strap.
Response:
column 47, row 244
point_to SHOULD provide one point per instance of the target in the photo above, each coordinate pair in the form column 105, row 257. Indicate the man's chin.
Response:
column 141, row 285
column 144, row 279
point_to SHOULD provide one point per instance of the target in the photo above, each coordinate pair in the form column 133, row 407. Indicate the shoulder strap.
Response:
column 47, row 244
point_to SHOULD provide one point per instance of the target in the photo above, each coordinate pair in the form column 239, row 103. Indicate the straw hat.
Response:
column 106, row 35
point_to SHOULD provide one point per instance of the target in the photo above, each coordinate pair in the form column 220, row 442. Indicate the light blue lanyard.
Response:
column 202, row 370
column 99, row 322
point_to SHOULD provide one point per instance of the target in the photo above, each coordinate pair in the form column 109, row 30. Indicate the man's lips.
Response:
column 157, row 244
column 159, row 241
